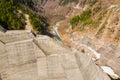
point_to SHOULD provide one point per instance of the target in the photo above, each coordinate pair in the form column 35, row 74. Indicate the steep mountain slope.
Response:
column 98, row 19
column 111, row 30
column 12, row 15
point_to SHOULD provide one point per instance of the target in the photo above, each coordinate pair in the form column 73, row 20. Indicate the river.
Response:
column 55, row 31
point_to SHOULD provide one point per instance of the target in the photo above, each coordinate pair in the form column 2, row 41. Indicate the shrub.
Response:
column 75, row 20
column 101, row 15
column 92, row 2
column 64, row 2
column 9, row 17
column 102, row 28
column 85, row 14
column 39, row 23
column 96, row 9
column 83, row 17
column 88, row 22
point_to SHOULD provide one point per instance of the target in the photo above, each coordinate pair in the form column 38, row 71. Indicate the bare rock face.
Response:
column 26, row 57
column 107, row 56
column 110, row 56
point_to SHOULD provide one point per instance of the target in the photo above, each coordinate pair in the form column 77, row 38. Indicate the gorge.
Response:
column 60, row 40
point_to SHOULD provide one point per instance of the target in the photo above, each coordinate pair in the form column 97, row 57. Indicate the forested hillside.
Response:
column 12, row 15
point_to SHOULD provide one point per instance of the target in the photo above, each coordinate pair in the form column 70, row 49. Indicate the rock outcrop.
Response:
column 110, row 56
column 107, row 56
column 26, row 57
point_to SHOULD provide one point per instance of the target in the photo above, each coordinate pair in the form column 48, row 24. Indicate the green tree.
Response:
column 75, row 20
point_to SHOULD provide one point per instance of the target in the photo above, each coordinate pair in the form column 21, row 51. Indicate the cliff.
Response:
column 26, row 57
